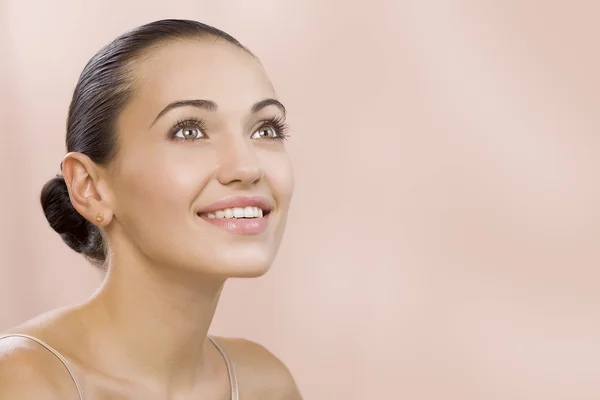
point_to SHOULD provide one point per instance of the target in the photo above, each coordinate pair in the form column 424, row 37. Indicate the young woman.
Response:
column 175, row 179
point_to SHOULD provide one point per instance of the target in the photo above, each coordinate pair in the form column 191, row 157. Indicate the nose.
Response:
column 238, row 163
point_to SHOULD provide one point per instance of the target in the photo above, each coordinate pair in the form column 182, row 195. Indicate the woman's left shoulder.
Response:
column 259, row 371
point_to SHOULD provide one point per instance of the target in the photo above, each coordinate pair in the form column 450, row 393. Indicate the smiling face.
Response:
column 202, row 180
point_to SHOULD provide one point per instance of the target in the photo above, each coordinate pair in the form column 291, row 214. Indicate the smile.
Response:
column 241, row 215
column 238, row 212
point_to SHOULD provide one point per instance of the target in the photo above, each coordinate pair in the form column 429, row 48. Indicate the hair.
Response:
column 104, row 88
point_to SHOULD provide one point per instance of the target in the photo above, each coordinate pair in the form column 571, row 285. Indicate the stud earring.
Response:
column 99, row 217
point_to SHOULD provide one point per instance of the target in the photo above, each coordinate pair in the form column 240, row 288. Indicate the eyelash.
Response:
column 277, row 123
column 186, row 123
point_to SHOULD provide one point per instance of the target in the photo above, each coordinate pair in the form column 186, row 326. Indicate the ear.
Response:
column 88, row 189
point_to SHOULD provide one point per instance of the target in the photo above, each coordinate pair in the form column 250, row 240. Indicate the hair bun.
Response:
column 76, row 231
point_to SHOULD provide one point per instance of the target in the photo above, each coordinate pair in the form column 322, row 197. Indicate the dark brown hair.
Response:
column 103, row 89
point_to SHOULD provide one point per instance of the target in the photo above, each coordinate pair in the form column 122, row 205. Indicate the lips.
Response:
column 238, row 202
column 253, row 220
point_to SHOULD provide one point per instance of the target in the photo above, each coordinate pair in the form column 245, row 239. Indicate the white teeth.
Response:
column 237, row 212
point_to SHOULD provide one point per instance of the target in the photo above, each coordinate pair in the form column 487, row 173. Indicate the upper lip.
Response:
column 238, row 201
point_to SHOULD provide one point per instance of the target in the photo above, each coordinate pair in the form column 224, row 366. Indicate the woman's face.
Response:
column 202, row 180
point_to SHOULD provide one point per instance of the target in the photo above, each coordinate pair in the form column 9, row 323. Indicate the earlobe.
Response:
column 102, row 216
column 82, row 180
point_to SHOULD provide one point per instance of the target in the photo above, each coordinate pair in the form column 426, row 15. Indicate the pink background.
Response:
column 444, row 239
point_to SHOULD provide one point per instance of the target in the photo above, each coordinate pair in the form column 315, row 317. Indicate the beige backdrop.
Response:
column 444, row 241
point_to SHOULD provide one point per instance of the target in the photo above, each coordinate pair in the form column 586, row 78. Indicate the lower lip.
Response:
column 241, row 226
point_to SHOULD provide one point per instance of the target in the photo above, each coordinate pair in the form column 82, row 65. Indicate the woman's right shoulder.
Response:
column 28, row 370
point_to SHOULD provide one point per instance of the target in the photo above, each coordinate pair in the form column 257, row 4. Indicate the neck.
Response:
column 151, row 322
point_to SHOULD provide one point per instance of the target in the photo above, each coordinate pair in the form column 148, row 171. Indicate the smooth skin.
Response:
column 143, row 335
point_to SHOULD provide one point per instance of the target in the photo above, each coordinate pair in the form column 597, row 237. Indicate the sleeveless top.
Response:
column 230, row 368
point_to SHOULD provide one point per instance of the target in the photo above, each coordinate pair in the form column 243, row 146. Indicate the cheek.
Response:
column 162, row 182
column 280, row 176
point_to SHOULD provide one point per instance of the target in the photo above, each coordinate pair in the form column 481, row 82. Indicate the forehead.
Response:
column 204, row 68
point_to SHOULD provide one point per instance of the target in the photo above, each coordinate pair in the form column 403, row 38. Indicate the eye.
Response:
column 188, row 133
column 188, row 130
column 274, row 128
column 265, row 132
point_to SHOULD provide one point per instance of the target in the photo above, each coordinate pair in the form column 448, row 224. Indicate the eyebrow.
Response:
column 268, row 102
column 210, row 105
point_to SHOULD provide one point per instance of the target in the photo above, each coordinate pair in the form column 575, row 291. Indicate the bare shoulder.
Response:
column 259, row 371
column 30, row 371
column 27, row 370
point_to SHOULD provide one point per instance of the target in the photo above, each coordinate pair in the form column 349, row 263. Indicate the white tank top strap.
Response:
column 56, row 353
column 230, row 370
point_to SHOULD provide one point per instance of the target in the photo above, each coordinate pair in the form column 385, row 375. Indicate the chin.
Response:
column 242, row 269
column 240, row 262
column 251, row 272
